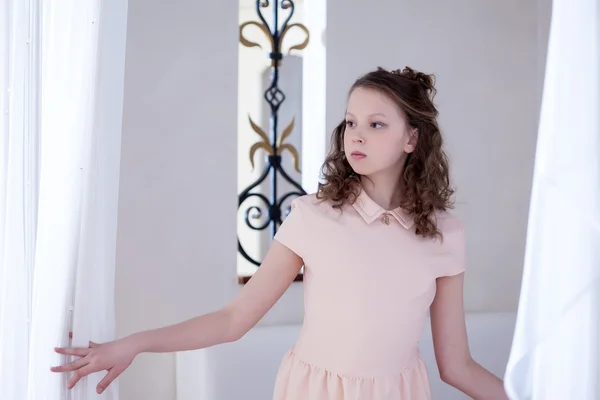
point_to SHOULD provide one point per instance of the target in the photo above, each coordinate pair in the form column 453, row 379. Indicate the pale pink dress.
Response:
column 368, row 283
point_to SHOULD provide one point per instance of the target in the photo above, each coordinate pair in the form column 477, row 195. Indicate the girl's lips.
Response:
column 357, row 155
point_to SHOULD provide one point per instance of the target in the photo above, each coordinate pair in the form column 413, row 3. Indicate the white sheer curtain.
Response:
column 62, row 65
column 17, row 157
column 556, row 351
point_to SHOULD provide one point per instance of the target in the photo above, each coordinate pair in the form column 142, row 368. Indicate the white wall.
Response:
column 485, row 56
column 176, row 254
column 176, row 251
column 544, row 9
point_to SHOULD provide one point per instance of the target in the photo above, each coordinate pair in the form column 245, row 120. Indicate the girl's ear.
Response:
column 413, row 138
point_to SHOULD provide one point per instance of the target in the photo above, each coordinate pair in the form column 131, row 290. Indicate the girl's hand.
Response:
column 113, row 357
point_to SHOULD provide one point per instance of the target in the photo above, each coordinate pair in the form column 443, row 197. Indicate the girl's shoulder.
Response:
column 448, row 223
column 310, row 202
column 312, row 207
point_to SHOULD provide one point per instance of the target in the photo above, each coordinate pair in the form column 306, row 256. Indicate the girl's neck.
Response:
column 386, row 190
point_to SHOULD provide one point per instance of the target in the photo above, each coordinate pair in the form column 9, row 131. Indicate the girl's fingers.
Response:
column 72, row 351
column 81, row 362
column 80, row 373
column 113, row 373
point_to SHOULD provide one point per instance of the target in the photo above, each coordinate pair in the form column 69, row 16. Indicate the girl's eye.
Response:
column 349, row 124
column 377, row 125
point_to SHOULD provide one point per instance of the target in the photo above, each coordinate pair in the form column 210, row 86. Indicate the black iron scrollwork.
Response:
column 271, row 210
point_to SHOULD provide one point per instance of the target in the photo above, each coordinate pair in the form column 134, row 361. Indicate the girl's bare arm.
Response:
column 268, row 284
column 457, row 367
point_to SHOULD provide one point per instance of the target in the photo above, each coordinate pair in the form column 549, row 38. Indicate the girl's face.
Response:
column 377, row 137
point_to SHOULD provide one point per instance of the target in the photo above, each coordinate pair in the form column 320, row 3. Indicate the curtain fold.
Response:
column 18, row 137
column 556, row 352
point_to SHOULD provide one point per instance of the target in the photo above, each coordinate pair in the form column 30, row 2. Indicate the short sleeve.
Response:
column 454, row 259
column 292, row 231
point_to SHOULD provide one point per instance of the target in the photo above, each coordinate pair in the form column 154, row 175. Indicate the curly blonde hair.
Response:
column 426, row 178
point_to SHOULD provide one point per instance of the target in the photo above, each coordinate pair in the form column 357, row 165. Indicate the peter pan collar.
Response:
column 369, row 210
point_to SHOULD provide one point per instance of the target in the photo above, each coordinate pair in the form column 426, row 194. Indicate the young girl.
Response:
column 379, row 250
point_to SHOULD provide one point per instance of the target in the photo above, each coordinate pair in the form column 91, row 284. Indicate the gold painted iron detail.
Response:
column 276, row 37
column 264, row 144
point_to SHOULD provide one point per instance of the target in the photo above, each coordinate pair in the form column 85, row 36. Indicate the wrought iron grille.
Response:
column 274, row 144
